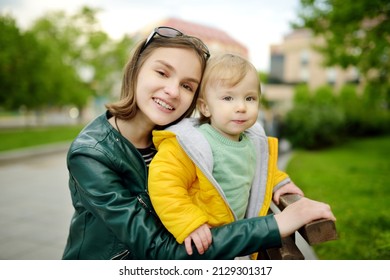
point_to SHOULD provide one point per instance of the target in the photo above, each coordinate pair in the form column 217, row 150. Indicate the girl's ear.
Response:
column 203, row 108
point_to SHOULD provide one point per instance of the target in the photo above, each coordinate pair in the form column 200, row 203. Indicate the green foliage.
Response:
column 314, row 122
column 263, row 76
column 60, row 60
column 302, row 95
column 366, row 113
column 72, row 42
column 324, row 96
column 314, row 127
column 352, row 105
column 353, row 179
column 324, row 118
column 376, row 112
column 22, row 61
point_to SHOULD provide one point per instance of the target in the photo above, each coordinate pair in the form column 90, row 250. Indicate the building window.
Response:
column 304, row 74
column 331, row 76
column 354, row 76
column 277, row 69
column 304, row 57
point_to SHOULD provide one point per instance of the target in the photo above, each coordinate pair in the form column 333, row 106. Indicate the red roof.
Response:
column 205, row 33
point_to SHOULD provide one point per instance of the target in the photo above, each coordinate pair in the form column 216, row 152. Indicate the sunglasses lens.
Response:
column 168, row 32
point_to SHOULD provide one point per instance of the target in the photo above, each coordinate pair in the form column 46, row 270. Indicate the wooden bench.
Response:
column 313, row 233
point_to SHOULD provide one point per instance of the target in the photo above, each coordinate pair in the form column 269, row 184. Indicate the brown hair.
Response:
column 126, row 107
column 225, row 70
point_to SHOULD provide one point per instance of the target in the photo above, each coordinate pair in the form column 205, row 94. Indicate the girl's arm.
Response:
column 125, row 208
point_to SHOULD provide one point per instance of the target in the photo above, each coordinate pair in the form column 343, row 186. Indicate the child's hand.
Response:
column 201, row 237
column 287, row 188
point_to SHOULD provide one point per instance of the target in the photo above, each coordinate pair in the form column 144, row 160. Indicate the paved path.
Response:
column 35, row 205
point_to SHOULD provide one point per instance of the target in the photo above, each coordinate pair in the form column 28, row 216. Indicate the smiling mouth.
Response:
column 163, row 104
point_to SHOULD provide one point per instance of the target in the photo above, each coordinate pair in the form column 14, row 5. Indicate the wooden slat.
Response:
column 319, row 231
column 288, row 251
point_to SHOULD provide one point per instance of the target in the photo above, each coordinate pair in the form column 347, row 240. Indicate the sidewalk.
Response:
column 35, row 206
column 37, row 151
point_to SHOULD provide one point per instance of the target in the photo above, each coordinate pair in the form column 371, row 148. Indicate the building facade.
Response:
column 295, row 61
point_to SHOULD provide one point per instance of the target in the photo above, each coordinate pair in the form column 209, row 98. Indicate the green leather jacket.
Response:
column 114, row 218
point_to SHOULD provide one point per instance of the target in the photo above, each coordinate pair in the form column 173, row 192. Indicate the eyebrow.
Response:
column 170, row 67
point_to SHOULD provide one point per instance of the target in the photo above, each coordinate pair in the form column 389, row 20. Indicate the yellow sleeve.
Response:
column 171, row 174
column 277, row 175
column 274, row 175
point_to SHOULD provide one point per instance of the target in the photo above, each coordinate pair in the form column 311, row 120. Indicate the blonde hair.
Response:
column 225, row 70
column 126, row 107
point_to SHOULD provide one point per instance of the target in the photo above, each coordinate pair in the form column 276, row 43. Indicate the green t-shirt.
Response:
column 234, row 167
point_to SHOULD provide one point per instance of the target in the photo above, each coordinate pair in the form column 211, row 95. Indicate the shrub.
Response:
column 324, row 119
column 315, row 121
column 314, row 126
column 352, row 106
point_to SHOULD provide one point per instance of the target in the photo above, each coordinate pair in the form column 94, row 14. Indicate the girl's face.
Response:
column 166, row 85
column 232, row 110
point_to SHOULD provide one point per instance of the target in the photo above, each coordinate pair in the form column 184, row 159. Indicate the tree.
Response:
column 23, row 68
column 356, row 33
column 78, row 42
column 10, row 62
column 66, row 39
column 60, row 60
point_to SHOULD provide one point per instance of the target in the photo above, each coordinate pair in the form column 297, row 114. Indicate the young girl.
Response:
column 107, row 164
column 222, row 167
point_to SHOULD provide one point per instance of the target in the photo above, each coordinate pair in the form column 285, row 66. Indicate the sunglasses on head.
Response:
column 169, row 32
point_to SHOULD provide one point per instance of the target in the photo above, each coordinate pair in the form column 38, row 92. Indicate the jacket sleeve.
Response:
column 171, row 174
column 279, row 177
column 130, row 215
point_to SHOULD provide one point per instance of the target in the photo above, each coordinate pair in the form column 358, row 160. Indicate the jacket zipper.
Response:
column 142, row 202
column 208, row 176
column 121, row 255
column 145, row 206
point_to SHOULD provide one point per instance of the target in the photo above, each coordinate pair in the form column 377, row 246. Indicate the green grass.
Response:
column 354, row 180
column 11, row 139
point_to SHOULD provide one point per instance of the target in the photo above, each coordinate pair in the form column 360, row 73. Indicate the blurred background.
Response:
column 324, row 67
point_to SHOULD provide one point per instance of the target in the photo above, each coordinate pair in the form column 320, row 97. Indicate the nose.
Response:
column 240, row 106
column 172, row 89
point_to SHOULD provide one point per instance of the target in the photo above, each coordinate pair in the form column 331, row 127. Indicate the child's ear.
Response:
column 203, row 108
